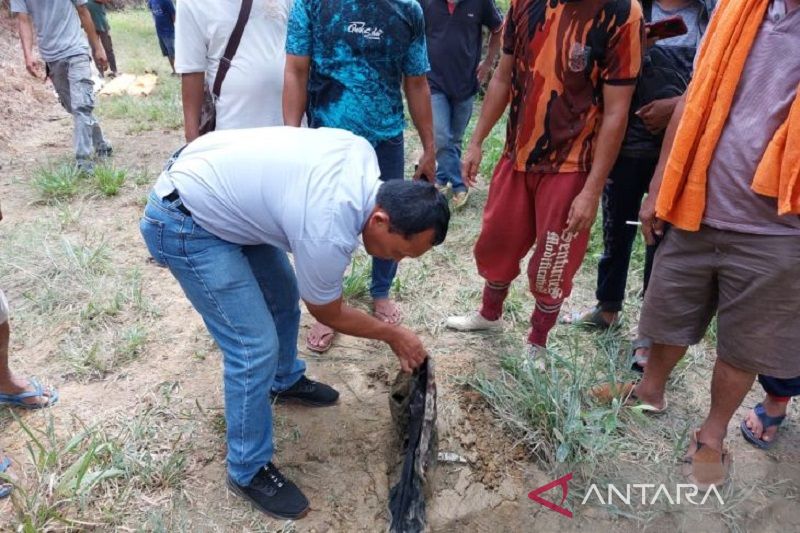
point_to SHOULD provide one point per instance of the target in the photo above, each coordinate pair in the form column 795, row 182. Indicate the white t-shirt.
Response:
column 251, row 93
column 305, row 191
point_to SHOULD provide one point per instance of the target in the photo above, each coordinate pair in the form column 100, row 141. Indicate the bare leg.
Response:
column 729, row 386
column 663, row 359
column 9, row 383
column 172, row 64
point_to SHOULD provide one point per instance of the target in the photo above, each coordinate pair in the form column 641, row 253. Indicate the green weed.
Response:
column 109, row 179
column 57, row 180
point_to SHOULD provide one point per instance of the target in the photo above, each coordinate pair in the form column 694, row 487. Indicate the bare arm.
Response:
column 25, row 29
column 651, row 226
column 192, row 95
column 492, row 49
column 418, row 95
column 405, row 343
column 616, row 104
column 295, row 89
column 494, row 104
column 88, row 26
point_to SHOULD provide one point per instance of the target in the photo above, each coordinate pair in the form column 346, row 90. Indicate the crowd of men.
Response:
column 607, row 102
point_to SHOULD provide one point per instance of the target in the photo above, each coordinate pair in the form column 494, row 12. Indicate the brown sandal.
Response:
column 326, row 339
column 706, row 467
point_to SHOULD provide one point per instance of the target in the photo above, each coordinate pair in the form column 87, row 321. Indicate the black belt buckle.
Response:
column 171, row 197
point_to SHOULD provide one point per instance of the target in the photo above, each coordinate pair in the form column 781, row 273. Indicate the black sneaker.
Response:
column 273, row 494
column 308, row 392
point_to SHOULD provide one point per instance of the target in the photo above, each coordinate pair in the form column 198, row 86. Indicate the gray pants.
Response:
column 72, row 79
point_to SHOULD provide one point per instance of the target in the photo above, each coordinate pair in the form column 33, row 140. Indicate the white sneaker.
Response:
column 473, row 322
column 533, row 357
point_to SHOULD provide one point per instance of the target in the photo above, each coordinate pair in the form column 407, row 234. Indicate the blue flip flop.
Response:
column 18, row 400
column 5, row 488
column 766, row 422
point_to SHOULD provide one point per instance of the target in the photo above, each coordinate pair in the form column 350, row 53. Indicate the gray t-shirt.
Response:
column 690, row 14
column 59, row 33
column 765, row 94
column 305, row 191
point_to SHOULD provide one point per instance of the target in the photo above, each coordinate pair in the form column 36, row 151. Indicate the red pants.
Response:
column 523, row 209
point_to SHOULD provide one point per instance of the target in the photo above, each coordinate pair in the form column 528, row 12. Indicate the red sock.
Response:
column 543, row 319
column 779, row 399
column 494, row 294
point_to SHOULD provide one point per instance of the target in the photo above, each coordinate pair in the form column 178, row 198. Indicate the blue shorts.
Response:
column 167, row 43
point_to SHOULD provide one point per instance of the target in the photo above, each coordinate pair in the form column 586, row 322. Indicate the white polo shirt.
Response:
column 305, row 191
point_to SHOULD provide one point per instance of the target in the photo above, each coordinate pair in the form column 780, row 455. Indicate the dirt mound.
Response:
column 26, row 101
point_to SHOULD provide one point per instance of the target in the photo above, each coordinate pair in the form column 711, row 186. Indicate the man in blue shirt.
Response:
column 345, row 65
column 164, row 16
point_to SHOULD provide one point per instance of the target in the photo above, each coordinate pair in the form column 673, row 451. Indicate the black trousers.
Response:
column 780, row 387
column 108, row 46
column 622, row 197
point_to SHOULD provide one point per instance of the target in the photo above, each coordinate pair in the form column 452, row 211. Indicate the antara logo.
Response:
column 368, row 32
column 646, row 493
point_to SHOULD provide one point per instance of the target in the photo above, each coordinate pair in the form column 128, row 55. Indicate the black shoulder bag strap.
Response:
column 233, row 45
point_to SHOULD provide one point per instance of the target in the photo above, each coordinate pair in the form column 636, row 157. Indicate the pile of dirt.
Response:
column 26, row 101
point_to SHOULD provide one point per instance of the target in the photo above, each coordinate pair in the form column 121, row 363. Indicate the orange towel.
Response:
column 682, row 197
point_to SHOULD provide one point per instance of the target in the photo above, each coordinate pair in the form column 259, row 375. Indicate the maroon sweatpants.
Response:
column 523, row 209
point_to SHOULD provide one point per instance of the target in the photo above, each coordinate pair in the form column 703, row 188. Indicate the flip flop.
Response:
column 607, row 392
column 638, row 361
column 766, row 422
column 706, row 466
column 5, row 488
column 326, row 341
column 18, row 400
column 385, row 318
column 590, row 320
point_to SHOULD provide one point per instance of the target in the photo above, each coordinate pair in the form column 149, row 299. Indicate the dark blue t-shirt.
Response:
column 164, row 16
column 359, row 51
column 455, row 42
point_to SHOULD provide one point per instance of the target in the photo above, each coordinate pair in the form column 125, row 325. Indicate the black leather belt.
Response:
column 171, row 197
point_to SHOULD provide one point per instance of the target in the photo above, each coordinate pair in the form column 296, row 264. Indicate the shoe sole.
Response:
column 239, row 492
column 309, row 403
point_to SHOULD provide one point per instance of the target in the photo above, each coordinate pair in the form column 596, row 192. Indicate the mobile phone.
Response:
column 664, row 29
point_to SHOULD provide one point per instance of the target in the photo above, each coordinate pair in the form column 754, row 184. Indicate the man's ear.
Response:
column 380, row 219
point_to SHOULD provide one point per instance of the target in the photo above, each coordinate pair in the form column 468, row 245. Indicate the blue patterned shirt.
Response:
column 359, row 51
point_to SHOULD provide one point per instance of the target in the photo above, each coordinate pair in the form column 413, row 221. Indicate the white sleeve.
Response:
column 191, row 42
column 320, row 268
column 19, row 6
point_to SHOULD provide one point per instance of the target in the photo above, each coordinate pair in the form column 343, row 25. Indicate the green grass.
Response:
column 137, row 51
column 58, row 180
column 109, row 179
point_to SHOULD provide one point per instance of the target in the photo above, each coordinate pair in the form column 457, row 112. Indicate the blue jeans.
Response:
column 248, row 299
column 450, row 119
column 391, row 160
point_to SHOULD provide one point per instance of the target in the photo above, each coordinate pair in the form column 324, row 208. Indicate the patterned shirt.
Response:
column 564, row 51
column 359, row 50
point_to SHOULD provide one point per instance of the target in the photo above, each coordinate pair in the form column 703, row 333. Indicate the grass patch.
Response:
column 138, row 52
column 109, row 179
column 59, row 180
column 112, row 473
column 357, row 281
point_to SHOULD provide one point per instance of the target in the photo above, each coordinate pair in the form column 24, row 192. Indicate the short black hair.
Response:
column 413, row 207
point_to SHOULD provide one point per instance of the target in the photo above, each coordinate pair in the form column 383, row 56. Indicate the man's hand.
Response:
column 471, row 164
column 35, row 68
column 652, row 227
column 582, row 212
column 656, row 114
column 426, row 169
column 408, row 348
column 484, row 69
column 100, row 57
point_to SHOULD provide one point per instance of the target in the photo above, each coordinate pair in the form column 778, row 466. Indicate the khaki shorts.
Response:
column 752, row 283
column 3, row 308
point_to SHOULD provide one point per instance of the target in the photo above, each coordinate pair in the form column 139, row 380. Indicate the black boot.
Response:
column 308, row 392
column 273, row 494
